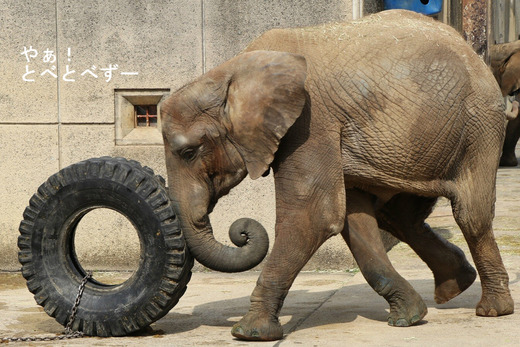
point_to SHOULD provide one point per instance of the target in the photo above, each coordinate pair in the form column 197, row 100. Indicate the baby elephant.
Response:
column 364, row 124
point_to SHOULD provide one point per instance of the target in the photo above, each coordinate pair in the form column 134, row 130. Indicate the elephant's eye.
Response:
column 189, row 153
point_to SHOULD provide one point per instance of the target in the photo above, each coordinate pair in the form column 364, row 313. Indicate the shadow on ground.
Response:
column 343, row 306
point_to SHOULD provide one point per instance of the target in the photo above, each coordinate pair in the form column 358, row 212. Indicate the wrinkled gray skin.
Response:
column 505, row 64
column 364, row 125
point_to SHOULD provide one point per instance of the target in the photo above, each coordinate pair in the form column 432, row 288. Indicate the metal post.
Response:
column 476, row 28
column 501, row 10
column 357, row 9
column 516, row 11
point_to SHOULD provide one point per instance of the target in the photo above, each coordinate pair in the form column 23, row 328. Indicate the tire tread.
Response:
column 151, row 188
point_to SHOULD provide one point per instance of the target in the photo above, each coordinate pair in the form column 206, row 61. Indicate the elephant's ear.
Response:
column 266, row 95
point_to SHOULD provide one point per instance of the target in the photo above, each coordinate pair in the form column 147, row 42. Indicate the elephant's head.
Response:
column 226, row 124
column 505, row 64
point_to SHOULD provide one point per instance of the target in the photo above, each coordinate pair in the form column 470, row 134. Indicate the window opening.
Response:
column 137, row 120
column 146, row 116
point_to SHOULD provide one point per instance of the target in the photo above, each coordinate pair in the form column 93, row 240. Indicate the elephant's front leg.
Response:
column 295, row 243
column 508, row 157
column 362, row 235
column 310, row 208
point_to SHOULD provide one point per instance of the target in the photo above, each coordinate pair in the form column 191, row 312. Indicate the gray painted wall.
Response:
column 51, row 122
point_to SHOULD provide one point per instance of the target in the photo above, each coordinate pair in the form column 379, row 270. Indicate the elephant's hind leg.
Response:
column 473, row 210
column 403, row 216
column 361, row 233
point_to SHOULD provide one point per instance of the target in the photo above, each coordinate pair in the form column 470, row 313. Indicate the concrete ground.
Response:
column 322, row 309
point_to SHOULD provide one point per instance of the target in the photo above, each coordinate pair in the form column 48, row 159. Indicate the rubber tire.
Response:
column 50, row 265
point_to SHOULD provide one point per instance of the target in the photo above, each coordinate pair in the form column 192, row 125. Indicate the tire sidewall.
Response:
column 55, row 240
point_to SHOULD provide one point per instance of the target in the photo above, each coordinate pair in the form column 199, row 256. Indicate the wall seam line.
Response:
column 58, row 85
column 54, row 123
column 203, row 38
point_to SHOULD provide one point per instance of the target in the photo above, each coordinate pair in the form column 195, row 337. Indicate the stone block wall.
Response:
column 59, row 107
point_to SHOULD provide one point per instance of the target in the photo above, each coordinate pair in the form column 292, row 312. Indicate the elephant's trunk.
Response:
column 249, row 235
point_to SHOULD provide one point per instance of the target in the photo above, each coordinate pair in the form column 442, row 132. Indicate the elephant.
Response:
column 505, row 64
column 364, row 124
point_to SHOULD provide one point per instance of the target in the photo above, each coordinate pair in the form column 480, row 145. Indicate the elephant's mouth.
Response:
column 514, row 94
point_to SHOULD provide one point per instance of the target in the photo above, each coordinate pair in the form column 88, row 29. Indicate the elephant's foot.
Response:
column 258, row 327
column 404, row 313
column 448, row 287
column 495, row 305
column 508, row 159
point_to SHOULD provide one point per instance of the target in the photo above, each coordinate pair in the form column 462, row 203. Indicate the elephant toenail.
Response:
column 237, row 330
column 401, row 323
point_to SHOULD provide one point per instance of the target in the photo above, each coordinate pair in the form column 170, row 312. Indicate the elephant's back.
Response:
column 395, row 44
column 405, row 87
column 414, row 91
column 422, row 96
column 388, row 31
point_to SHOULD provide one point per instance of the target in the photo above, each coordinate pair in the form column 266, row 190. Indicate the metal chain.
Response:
column 68, row 328
column 69, row 334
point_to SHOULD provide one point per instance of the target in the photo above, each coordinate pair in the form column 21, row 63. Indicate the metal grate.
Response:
column 145, row 115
